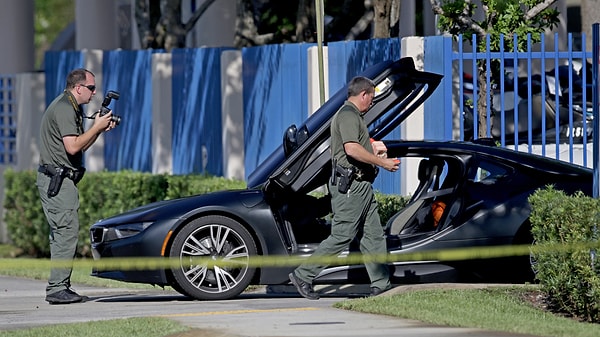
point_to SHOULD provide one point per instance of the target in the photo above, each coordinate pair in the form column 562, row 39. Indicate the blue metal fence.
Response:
column 57, row 65
column 275, row 90
column 129, row 73
column 196, row 118
column 539, row 99
column 8, row 123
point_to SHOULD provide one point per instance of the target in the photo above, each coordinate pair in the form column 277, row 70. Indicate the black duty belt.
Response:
column 65, row 172
column 366, row 175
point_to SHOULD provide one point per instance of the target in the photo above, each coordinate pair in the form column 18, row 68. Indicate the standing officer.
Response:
column 355, row 159
column 62, row 142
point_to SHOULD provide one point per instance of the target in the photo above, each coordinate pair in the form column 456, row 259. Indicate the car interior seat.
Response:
column 416, row 215
column 429, row 177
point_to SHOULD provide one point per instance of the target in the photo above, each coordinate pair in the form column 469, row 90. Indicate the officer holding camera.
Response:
column 62, row 143
column 355, row 162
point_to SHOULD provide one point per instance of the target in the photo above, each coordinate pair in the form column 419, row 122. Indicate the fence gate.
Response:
column 538, row 100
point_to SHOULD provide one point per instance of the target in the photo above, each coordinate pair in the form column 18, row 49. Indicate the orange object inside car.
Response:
column 437, row 209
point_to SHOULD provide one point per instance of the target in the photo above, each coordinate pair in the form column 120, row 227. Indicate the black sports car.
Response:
column 469, row 195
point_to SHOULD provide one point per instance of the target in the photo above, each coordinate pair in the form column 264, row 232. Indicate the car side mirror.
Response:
column 293, row 138
column 289, row 139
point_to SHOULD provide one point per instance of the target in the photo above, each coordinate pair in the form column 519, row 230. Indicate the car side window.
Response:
column 483, row 175
column 487, row 172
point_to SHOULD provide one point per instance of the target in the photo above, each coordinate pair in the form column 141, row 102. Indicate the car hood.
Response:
column 304, row 156
column 186, row 206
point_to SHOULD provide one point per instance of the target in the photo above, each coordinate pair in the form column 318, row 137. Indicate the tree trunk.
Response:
column 483, row 87
column 170, row 32
column 306, row 30
column 147, row 13
column 382, row 16
column 245, row 25
column 246, row 34
column 363, row 23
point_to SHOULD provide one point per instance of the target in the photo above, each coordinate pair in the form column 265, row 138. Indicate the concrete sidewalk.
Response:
column 276, row 313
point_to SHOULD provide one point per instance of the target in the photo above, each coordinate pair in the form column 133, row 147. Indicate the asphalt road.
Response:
column 268, row 312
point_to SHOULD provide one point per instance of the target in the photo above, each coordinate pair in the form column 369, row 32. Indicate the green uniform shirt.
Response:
column 62, row 118
column 348, row 125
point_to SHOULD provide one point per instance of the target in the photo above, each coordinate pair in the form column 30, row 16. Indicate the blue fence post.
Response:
column 596, row 128
column 595, row 55
column 438, row 59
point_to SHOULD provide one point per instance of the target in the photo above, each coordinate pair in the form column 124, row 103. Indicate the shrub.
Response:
column 389, row 205
column 23, row 213
column 101, row 194
column 564, row 230
column 186, row 185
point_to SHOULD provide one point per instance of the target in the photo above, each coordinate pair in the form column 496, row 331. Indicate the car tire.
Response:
column 216, row 238
column 179, row 289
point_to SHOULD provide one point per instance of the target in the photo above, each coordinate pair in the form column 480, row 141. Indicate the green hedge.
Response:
column 23, row 213
column 103, row 194
column 564, row 229
column 186, row 185
column 389, row 205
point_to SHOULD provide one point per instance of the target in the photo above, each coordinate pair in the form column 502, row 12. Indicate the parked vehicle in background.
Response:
column 559, row 109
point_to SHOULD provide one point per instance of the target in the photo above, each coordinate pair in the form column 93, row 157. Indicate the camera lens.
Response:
column 116, row 119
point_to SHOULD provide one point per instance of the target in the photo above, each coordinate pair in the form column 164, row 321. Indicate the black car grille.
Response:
column 97, row 235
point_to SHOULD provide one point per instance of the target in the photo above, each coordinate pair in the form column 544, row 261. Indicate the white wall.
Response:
column 232, row 116
column 162, row 112
column 313, row 79
column 96, row 24
column 412, row 128
column 216, row 27
column 16, row 36
column 94, row 156
column 31, row 103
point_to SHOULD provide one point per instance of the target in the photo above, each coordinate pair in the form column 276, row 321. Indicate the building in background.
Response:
column 110, row 24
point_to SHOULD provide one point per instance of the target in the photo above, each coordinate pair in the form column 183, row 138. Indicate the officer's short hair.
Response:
column 359, row 84
column 76, row 77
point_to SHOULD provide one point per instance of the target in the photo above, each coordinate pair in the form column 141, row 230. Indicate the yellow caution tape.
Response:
column 145, row 263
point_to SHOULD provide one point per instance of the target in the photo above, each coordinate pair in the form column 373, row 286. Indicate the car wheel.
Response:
column 216, row 238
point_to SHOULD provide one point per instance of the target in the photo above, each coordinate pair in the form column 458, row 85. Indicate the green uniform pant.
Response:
column 352, row 211
column 61, row 214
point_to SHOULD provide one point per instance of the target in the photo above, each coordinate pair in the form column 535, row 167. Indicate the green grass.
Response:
column 497, row 309
column 131, row 327
column 8, row 251
column 81, row 275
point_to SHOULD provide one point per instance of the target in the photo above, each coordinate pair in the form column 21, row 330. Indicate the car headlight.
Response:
column 117, row 232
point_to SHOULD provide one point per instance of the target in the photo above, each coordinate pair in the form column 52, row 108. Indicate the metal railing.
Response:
column 540, row 99
column 8, row 123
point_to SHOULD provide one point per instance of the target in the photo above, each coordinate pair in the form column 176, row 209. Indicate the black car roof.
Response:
column 523, row 159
